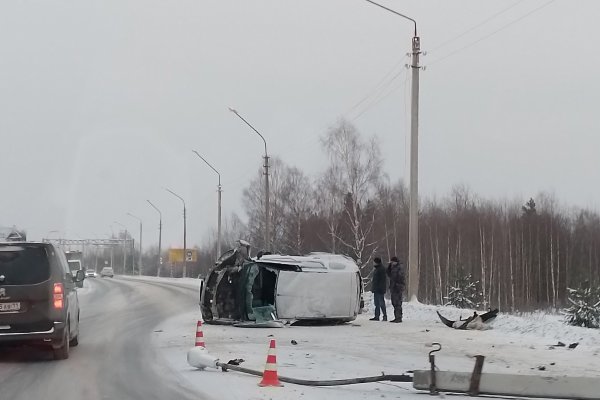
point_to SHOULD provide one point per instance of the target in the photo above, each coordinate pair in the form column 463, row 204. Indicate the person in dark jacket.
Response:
column 396, row 273
column 379, row 284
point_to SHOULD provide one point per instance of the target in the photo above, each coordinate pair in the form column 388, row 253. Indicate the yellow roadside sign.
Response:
column 176, row 255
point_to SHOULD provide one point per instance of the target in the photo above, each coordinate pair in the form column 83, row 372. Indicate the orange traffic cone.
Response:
column 199, row 335
column 270, row 377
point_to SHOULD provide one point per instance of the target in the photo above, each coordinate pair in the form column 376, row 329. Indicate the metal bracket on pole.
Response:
column 476, row 376
column 432, row 386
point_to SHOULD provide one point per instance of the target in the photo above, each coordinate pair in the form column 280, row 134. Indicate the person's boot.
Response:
column 398, row 315
column 384, row 318
column 374, row 319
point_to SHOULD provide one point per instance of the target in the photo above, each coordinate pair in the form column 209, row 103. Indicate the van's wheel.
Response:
column 75, row 341
column 62, row 352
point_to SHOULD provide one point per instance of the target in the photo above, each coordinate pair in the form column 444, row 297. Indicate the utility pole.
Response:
column 413, row 234
column 140, row 255
column 184, row 232
column 158, row 260
column 132, row 256
column 413, row 222
column 125, row 252
column 219, row 206
column 219, row 238
column 267, row 237
column 184, row 243
column 124, row 248
column 267, row 203
column 140, row 266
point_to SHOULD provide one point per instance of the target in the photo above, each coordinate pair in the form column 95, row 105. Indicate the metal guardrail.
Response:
column 90, row 242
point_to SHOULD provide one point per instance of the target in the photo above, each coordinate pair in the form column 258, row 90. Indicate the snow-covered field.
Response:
column 515, row 344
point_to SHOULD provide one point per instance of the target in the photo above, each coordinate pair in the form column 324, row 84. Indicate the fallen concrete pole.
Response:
column 199, row 358
column 558, row 387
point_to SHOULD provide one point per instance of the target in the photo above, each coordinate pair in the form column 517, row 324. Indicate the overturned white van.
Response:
column 318, row 287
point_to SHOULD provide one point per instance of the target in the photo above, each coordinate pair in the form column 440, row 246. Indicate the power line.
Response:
column 383, row 96
column 377, row 88
column 477, row 26
column 494, row 32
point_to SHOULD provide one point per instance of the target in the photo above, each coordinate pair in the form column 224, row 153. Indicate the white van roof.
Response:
column 314, row 262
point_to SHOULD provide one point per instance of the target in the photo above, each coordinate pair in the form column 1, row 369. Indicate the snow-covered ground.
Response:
column 192, row 283
column 516, row 345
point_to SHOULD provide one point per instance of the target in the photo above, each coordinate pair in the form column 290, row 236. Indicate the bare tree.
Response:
column 329, row 199
column 524, row 254
column 233, row 229
column 255, row 210
column 297, row 197
column 356, row 163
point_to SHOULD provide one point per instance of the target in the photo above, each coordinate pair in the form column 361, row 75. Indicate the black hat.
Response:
column 377, row 260
column 394, row 259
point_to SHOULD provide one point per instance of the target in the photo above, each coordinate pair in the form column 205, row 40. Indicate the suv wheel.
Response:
column 62, row 352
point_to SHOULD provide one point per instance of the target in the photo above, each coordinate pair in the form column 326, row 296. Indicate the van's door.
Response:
column 70, row 289
column 25, row 289
column 314, row 295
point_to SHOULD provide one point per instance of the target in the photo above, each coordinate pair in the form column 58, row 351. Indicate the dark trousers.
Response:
column 397, row 303
column 379, row 299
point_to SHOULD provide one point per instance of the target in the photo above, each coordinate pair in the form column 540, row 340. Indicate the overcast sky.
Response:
column 102, row 102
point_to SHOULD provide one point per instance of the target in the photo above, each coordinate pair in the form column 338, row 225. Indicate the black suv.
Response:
column 38, row 297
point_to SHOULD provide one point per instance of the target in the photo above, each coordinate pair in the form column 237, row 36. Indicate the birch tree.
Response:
column 356, row 163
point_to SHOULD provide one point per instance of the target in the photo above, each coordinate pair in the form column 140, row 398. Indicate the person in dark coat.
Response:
column 396, row 273
column 379, row 285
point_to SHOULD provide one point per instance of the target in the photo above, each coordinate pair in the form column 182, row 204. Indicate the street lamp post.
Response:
column 124, row 248
column 112, row 248
column 413, row 223
column 219, row 206
column 140, row 256
column 158, row 265
column 267, row 206
column 184, row 232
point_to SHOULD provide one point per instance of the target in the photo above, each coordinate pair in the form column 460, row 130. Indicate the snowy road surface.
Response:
column 114, row 359
column 135, row 335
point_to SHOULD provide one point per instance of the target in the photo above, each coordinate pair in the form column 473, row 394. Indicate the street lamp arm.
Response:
column 253, row 128
column 120, row 224
column 133, row 216
column 207, row 163
column 176, row 195
column 156, row 208
column 397, row 13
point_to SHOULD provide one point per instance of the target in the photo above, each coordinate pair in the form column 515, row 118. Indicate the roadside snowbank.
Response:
column 516, row 344
column 539, row 325
column 191, row 283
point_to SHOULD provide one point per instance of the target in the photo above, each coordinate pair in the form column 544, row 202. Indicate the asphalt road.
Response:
column 114, row 359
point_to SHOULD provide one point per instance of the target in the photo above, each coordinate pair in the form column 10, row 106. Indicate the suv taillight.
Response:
column 58, row 296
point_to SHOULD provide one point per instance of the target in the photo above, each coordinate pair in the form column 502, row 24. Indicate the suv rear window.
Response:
column 23, row 265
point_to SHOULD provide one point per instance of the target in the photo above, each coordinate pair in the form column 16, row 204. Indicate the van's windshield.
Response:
column 23, row 265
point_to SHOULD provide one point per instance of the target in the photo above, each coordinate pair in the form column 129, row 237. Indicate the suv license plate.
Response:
column 4, row 307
